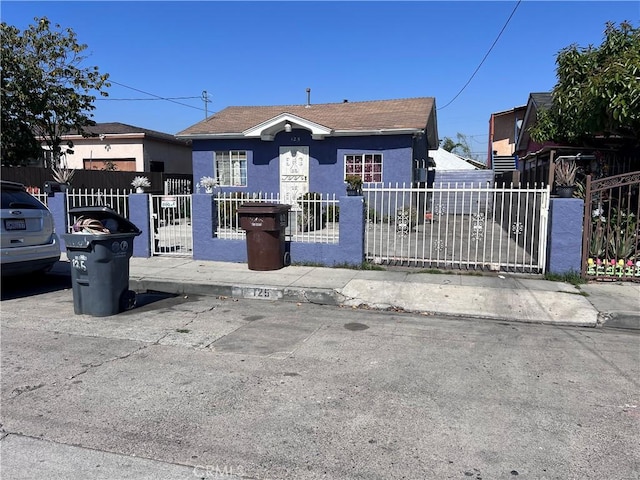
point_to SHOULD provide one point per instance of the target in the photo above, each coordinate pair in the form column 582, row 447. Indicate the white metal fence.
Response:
column 170, row 223
column 115, row 199
column 43, row 197
column 178, row 186
column 313, row 219
column 469, row 227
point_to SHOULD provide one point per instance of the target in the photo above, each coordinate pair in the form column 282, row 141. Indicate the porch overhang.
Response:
column 286, row 121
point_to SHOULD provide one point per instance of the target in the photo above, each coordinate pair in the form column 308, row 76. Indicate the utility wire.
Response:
column 485, row 57
column 143, row 99
column 154, row 95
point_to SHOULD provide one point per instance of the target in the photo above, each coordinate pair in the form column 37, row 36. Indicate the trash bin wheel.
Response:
column 127, row 300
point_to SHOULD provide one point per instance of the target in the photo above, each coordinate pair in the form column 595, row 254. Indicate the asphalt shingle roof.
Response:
column 411, row 113
column 117, row 128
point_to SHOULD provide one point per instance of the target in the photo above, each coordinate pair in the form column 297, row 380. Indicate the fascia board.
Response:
column 315, row 136
column 362, row 133
column 278, row 121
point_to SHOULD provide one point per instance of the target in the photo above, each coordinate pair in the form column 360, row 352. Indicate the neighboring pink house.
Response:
column 504, row 131
column 129, row 149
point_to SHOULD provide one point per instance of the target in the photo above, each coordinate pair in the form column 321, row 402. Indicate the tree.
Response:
column 448, row 144
column 46, row 92
column 460, row 147
column 597, row 93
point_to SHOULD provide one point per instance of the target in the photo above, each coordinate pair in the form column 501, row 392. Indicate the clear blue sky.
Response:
column 268, row 53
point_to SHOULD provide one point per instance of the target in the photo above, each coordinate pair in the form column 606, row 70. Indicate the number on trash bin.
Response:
column 78, row 263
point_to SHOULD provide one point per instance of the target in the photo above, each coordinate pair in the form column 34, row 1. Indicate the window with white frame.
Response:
column 231, row 168
column 368, row 166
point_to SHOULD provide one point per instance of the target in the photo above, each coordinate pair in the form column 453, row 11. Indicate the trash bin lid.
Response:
column 263, row 207
column 103, row 213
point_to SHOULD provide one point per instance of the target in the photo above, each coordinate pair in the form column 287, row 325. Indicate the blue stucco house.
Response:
column 294, row 149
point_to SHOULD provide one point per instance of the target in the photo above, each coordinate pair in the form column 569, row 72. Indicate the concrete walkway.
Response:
column 497, row 297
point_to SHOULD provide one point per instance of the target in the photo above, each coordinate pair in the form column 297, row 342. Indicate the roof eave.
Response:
column 335, row 133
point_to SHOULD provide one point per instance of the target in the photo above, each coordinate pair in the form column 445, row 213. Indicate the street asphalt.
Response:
column 217, row 387
column 498, row 296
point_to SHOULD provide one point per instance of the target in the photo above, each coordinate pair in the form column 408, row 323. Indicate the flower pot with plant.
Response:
column 208, row 183
column 140, row 183
column 565, row 177
column 62, row 174
column 354, row 185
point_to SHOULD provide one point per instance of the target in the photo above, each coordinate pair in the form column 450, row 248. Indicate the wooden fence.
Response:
column 90, row 179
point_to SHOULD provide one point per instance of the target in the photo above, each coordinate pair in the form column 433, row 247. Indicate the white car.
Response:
column 29, row 242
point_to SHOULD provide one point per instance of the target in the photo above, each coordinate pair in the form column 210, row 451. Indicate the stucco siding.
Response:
column 176, row 158
column 98, row 152
column 326, row 159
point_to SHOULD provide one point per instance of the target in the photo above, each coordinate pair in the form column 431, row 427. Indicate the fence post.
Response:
column 202, row 224
column 58, row 206
column 139, row 215
column 564, row 247
column 352, row 230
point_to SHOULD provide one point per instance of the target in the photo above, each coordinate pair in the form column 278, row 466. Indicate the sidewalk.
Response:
column 504, row 297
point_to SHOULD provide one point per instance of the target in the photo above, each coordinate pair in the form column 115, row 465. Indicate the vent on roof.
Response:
column 308, row 97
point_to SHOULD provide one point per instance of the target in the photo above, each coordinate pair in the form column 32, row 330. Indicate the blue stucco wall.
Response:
column 565, row 235
column 57, row 205
column 563, row 250
column 326, row 159
column 139, row 211
column 350, row 250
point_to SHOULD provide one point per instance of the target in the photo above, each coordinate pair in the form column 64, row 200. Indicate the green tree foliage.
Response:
column 46, row 92
column 598, row 91
column 460, row 146
column 448, row 144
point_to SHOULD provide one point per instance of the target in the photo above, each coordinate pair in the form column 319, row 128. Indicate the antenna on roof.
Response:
column 308, row 97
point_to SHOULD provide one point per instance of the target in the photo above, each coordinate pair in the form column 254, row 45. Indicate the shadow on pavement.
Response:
column 35, row 284
column 58, row 279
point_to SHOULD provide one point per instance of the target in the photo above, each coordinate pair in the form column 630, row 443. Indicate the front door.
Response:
column 294, row 173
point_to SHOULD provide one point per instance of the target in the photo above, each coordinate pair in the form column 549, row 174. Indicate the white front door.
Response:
column 294, row 173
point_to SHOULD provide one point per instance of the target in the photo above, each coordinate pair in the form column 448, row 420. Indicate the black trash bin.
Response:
column 265, row 224
column 100, row 262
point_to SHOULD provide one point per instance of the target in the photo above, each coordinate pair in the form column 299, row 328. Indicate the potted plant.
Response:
column 565, row 177
column 140, row 183
column 62, row 175
column 208, row 183
column 354, row 185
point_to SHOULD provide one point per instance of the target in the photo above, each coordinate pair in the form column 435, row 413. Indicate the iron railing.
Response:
column 462, row 226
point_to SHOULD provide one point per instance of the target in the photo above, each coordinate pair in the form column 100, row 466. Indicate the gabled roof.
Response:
column 537, row 101
column 379, row 117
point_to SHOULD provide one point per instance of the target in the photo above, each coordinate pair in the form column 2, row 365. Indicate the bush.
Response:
column 332, row 214
column 311, row 217
column 228, row 208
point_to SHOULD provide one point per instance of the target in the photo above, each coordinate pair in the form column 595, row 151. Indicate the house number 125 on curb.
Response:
column 79, row 263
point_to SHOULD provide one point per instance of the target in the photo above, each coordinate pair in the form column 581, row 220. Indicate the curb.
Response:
column 318, row 296
column 621, row 320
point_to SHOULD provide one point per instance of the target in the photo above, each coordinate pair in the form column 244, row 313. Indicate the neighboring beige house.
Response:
column 504, row 131
column 129, row 149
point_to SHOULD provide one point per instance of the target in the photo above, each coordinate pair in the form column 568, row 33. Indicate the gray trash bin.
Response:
column 100, row 263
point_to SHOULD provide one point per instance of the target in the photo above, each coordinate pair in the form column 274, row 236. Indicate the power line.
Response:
column 143, row 99
column 485, row 57
column 154, row 95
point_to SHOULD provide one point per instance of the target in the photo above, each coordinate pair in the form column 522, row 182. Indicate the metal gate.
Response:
column 611, row 233
column 466, row 227
column 171, row 225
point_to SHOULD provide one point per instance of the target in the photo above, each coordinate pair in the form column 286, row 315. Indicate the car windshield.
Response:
column 20, row 199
